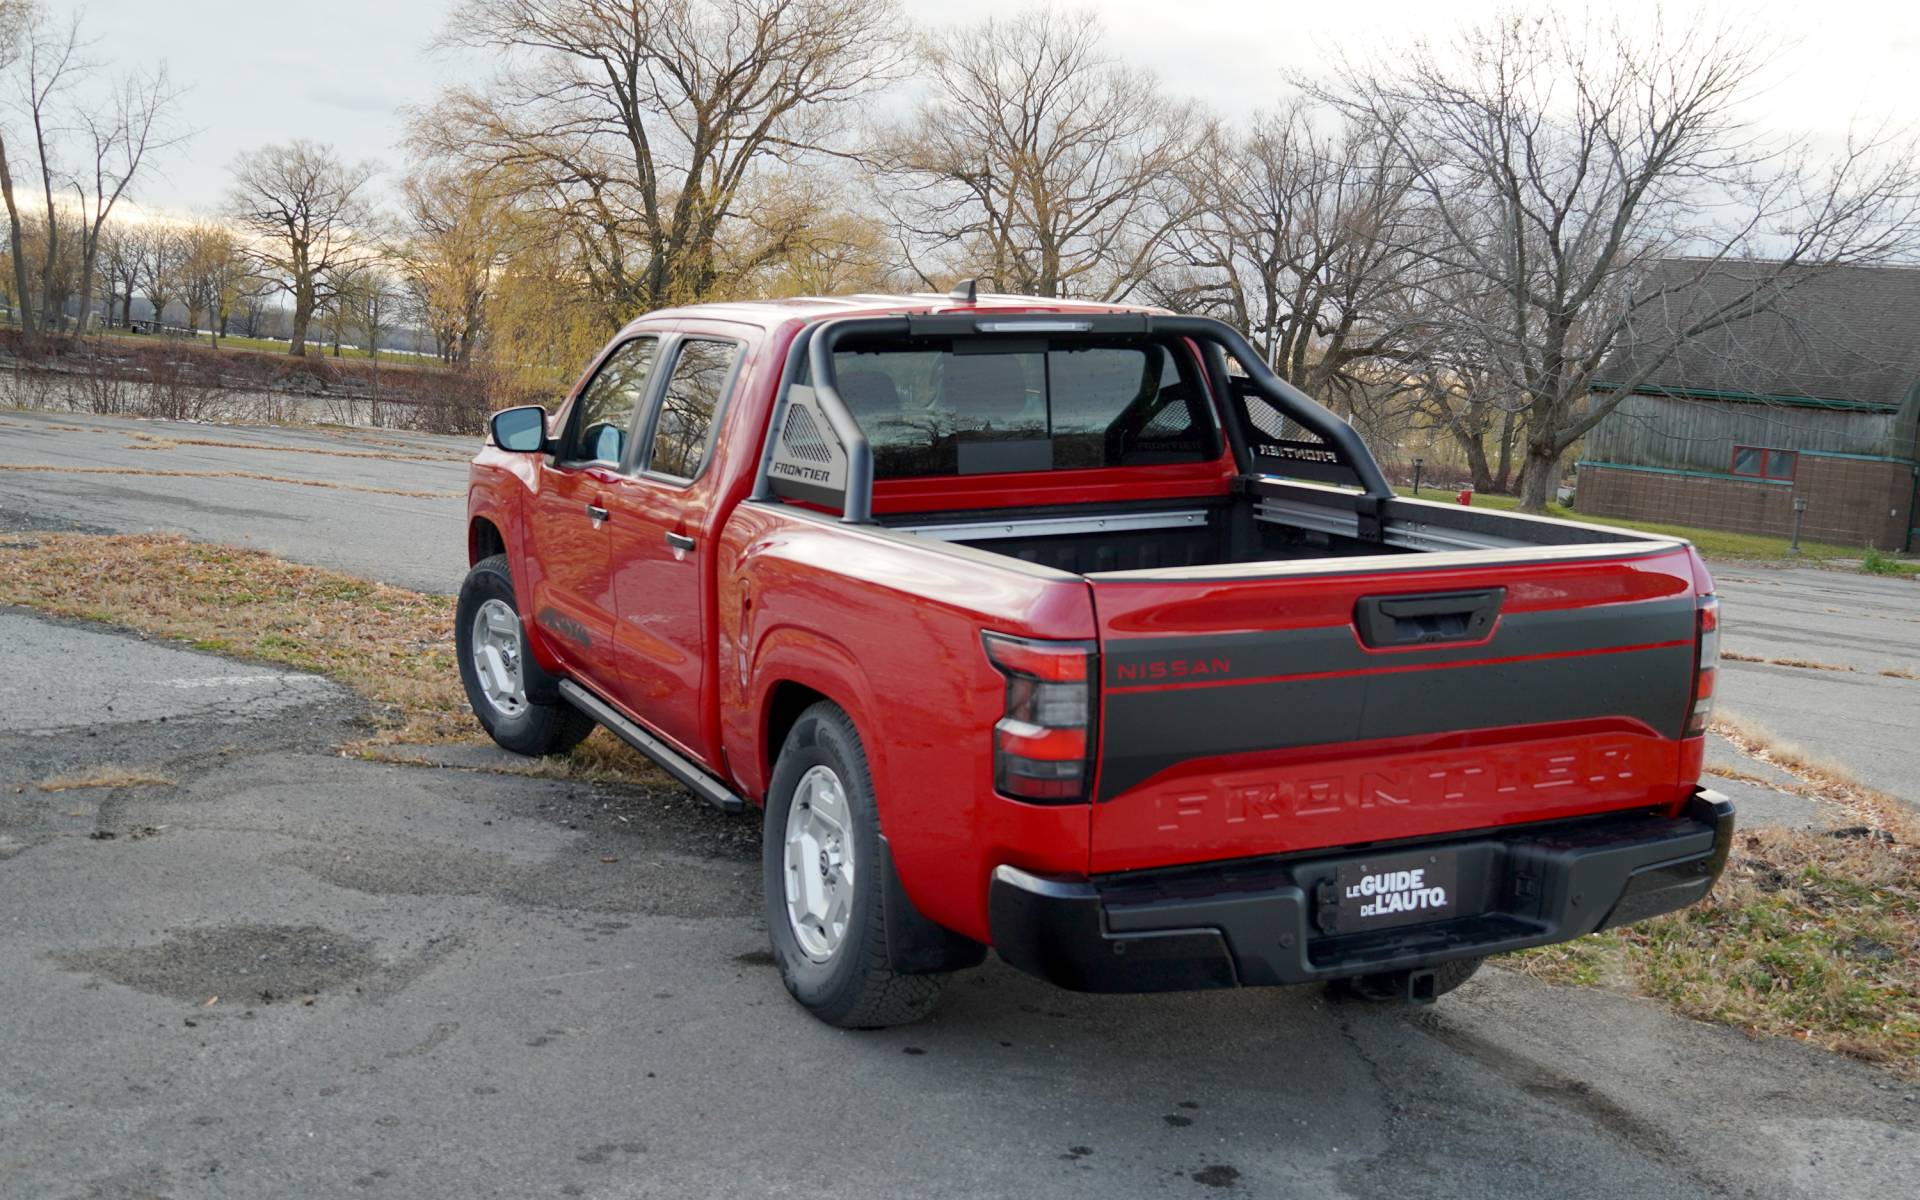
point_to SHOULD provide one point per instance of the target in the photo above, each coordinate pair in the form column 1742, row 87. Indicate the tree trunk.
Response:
column 21, row 302
column 1476, row 452
column 1503, row 475
column 302, row 317
column 86, row 295
column 1539, row 477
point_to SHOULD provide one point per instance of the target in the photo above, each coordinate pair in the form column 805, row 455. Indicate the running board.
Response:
column 671, row 761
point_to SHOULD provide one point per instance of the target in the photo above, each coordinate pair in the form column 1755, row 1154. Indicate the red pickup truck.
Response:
column 1072, row 631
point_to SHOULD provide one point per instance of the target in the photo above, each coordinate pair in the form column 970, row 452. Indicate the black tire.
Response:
column 1446, row 977
column 547, row 724
column 856, row 987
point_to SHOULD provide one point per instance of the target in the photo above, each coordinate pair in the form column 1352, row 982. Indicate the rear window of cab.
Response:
column 966, row 406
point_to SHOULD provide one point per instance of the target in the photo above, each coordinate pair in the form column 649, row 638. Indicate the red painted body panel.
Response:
column 1333, row 795
column 888, row 626
column 891, row 631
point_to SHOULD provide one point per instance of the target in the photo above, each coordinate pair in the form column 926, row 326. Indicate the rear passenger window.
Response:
column 609, row 402
column 694, row 391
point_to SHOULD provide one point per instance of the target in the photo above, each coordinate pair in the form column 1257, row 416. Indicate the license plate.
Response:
column 1400, row 889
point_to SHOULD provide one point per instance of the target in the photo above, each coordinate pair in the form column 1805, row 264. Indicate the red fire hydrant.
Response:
column 1465, row 496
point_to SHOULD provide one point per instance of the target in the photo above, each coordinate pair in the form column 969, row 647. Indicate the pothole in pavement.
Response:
column 242, row 963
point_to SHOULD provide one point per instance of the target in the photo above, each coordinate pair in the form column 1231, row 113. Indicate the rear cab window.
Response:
column 967, row 406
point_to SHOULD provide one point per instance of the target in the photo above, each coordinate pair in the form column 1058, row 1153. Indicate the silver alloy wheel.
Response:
column 820, row 867
column 496, row 654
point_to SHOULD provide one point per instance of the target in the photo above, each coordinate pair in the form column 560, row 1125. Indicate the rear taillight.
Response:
column 1043, row 746
column 1706, row 664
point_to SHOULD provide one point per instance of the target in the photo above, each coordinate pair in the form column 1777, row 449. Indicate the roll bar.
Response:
column 799, row 464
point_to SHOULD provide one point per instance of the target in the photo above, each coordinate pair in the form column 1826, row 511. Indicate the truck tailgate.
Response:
column 1337, row 705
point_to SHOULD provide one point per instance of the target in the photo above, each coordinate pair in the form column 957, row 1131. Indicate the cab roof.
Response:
column 771, row 314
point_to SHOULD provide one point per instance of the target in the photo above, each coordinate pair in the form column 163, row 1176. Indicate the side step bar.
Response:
column 671, row 761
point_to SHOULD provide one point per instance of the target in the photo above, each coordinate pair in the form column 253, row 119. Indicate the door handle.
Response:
column 679, row 541
column 597, row 513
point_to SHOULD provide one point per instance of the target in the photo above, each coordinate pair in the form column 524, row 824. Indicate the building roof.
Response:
column 1839, row 337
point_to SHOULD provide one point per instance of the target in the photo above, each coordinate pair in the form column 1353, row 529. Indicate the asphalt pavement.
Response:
column 125, row 475
column 1847, row 686
column 286, row 973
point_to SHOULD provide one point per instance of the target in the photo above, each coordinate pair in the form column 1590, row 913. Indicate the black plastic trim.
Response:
column 916, row 945
column 1250, row 922
column 678, row 765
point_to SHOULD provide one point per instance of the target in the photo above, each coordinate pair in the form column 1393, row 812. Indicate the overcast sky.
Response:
column 342, row 71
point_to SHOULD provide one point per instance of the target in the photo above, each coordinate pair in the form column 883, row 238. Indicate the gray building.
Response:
column 1816, row 398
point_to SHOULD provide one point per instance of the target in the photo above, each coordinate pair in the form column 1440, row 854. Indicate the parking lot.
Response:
column 253, row 967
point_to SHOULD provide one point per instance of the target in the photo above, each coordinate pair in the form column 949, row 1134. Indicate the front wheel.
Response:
column 822, row 869
column 517, row 702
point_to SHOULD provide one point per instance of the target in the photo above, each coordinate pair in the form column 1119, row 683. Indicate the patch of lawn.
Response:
column 315, row 349
column 392, row 646
column 1876, row 563
column 1811, row 934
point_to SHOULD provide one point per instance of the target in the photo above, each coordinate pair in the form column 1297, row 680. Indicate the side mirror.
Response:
column 521, row 430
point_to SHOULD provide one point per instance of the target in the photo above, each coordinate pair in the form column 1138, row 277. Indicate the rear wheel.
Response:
column 821, row 865
column 517, row 702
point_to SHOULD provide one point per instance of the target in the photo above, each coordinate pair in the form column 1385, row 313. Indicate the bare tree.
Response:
column 458, row 232
column 375, row 304
column 52, row 65
column 163, row 264
column 15, row 18
column 119, row 136
column 120, row 247
column 1566, row 161
column 311, row 226
column 1314, row 238
column 632, row 126
column 1038, row 161
column 215, row 274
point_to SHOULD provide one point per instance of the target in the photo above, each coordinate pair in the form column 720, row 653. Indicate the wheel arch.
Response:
column 785, row 701
column 484, row 539
column 916, row 945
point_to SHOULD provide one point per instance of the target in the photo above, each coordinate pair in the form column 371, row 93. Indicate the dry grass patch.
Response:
column 152, row 441
column 313, row 483
column 1805, row 664
column 392, row 646
column 1812, row 935
column 103, row 777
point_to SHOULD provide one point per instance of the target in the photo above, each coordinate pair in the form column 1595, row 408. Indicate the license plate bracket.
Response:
column 1390, row 890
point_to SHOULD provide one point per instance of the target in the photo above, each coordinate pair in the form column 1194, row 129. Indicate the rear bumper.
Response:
column 1252, row 922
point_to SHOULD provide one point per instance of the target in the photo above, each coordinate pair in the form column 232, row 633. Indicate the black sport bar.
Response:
column 818, row 342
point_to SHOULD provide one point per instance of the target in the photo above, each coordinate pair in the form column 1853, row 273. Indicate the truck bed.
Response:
column 1273, row 522
column 1290, row 666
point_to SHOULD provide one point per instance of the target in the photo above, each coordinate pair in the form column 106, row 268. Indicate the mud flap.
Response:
column 916, row 945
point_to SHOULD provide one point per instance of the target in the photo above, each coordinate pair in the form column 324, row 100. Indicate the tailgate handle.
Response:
column 1435, row 618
